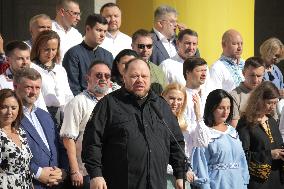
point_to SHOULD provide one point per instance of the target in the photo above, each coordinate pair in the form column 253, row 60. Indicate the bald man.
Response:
column 226, row 72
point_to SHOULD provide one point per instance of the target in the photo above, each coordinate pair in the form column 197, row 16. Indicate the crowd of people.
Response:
column 106, row 110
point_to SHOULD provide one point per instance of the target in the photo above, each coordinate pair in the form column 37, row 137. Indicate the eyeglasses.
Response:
column 101, row 75
column 172, row 22
column 270, row 76
column 142, row 46
column 72, row 13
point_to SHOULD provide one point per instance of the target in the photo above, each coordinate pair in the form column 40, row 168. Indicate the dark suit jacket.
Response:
column 42, row 156
column 159, row 53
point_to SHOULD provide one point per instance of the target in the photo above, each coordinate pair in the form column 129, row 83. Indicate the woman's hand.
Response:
column 277, row 154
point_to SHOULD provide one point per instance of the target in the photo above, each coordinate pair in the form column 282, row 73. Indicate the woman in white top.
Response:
column 196, row 135
column 55, row 87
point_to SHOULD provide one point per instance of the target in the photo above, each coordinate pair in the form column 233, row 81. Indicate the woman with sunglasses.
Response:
column 55, row 87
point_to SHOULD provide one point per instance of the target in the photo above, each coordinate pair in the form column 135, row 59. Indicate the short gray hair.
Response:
column 34, row 18
column 162, row 11
column 28, row 73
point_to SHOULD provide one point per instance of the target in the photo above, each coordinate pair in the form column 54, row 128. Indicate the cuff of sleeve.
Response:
column 95, row 173
column 179, row 174
column 38, row 173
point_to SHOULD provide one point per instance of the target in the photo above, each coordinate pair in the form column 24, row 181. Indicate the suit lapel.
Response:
column 27, row 125
column 160, row 46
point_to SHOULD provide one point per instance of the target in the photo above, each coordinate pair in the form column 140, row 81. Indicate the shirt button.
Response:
column 146, row 125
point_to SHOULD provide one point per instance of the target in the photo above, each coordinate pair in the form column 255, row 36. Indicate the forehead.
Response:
column 100, row 68
column 254, row 69
column 189, row 38
column 175, row 93
column 43, row 21
column 29, row 82
column 138, row 66
column 100, row 26
column 19, row 52
column 126, row 58
column 111, row 10
column 10, row 99
column 170, row 16
column 144, row 39
column 199, row 67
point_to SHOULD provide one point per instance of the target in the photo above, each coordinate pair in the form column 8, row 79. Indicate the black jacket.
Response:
column 128, row 145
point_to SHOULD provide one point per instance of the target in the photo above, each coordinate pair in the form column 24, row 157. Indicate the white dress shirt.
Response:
column 55, row 87
column 67, row 39
column 168, row 44
column 173, row 69
column 115, row 44
column 35, row 122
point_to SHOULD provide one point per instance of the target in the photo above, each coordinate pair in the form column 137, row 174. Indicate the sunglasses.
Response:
column 101, row 75
column 270, row 76
column 142, row 46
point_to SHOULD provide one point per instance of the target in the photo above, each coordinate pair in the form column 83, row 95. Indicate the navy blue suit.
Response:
column 42, row 156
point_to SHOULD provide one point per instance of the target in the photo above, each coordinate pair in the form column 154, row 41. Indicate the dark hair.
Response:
column 93, row 19
column 191, row 63
column 132, row 61
column 115, row 75
column 41, row 40
column 186, row 32
column 107, row 5
column 28, row 73
column 255, row 62
column 212, row 102
column 11, row 46
column 141, row 33
column 96, row 62
column 7, row 93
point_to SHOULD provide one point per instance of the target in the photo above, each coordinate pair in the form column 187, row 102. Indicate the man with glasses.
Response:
column 78, row 59
column 76, row 115
column 67, row 17
column 173, row 67
column 115, row 40
column 164, row 34
column 142, row 43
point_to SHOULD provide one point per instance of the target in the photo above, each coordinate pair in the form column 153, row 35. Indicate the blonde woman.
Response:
column 196, row 135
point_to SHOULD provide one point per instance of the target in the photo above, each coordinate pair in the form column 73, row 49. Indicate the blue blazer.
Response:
column 42, row 156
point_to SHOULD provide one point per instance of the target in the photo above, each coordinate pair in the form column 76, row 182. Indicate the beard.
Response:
column 101, row 90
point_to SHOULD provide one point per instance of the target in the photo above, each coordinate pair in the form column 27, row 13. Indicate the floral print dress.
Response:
column 15, row 162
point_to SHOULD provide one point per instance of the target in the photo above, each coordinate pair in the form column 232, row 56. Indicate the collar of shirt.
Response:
column 113, row 37
column 90, row 95
column 59, row 27
column 9, row 74
column 244, row 88
column 177, row 58
column 162, row 37
column 26, row 110
column 230, row 60
column 88, row 47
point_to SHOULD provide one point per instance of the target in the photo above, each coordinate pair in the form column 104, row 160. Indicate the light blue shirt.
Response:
column 35, row 122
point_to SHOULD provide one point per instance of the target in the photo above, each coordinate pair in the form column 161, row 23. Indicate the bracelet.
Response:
column 74, row 173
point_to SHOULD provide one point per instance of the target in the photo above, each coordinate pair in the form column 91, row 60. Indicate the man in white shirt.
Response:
column 76, row 115
column 18, row 57
column 195, row 72
column 67, row 17
column 38, row 23
column 226, row 73
column 173, row 67
column 115, row 40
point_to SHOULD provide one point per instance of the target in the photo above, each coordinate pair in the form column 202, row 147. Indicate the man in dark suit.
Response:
column 164, row 34
column 43, row 139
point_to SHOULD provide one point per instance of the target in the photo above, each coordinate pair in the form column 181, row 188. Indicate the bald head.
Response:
column 137, row 77
column 232, row 44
